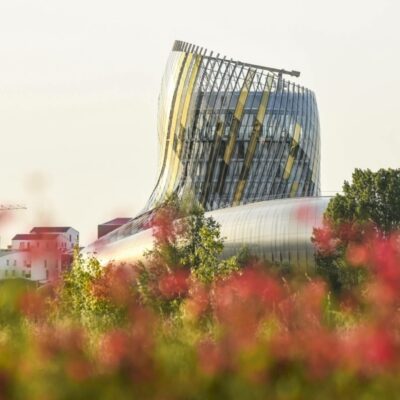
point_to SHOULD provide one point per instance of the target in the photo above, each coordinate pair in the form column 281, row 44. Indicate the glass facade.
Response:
column 231, row 134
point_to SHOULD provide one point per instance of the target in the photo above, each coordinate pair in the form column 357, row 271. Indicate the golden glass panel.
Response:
column 185, row 111
column 262, row 109
column 288, row 167
column 292, row 154
column 179, row 95
column 210, row 166
column 176, row 108
column 190, row 89
column 297, row 132
column 239, row 191
column 294, row 188
column 244, row 93
column 238, row 115
column 232, row 140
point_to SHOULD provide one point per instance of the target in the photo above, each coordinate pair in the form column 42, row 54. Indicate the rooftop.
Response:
column 7, row 252
column 36, row 236
column 50, row 229
column 117, row 221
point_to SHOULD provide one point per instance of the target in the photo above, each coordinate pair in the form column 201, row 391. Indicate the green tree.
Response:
column 185, row 240
column 371, row 199
column 202, row 249
column 77, row 295
column 368, row 206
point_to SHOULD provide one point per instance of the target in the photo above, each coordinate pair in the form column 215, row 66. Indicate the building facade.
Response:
column 231, row 134
column 40, row 255
column 109, row 226
column 234, row 133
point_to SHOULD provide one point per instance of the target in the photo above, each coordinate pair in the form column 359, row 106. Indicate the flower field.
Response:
column 187, row 325
column 253, row 334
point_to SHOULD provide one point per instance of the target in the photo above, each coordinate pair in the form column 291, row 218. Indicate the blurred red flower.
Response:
column 174, row 284
column 32, row 304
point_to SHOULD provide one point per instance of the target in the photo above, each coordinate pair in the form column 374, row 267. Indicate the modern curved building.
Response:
column 234, row 133
column 242, row 140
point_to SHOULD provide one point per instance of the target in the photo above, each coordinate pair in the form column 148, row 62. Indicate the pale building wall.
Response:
column 14, row 264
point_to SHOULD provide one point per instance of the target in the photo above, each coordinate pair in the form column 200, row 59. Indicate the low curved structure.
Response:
column 237, row 136
column 278, row 231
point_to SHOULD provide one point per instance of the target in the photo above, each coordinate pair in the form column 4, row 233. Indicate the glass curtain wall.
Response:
column 230, row 133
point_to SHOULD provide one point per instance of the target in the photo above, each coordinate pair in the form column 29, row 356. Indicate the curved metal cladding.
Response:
column 234, row 133
column 276, row 231
column 230, row 133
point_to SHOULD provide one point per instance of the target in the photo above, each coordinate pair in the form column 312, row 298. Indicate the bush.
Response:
column 165, row 330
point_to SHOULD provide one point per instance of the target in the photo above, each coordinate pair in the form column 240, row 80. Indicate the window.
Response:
column 21, row 245
column 45, row 263
column 70, row 238
column 47, row 274
column 8, row 263
column 15, row 263
column 228, row 118
column 240, row 149
column 6, row 272
column 28, row 274
column 13, row 272
column 28, row 245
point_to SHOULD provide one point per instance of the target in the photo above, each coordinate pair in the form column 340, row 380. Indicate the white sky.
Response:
column 79, row 82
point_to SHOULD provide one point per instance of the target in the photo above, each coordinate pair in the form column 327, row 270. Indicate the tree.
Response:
column 79, row 298
column 202, row 249
column 187, row 245
column 369, row 207
column 186, row 242
column 373, row 198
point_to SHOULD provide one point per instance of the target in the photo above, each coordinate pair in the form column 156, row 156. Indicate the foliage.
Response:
column 205, row 333
column 81, row 293
column 263, row 337
column 368, row 208
column 185, row 243
column 372, row 199
column 202, row 249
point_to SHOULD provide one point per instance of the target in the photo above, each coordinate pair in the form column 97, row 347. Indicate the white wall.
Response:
column 14, row 264
column 38, row 260
column 71, row 238
column 37, row 266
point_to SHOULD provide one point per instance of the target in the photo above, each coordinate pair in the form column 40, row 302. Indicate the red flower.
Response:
column 306, row 213
column 32, row 304
column 369, row 349
column 385, row 258
column 174, row 284
column 78, row 369
column 56, row 341
column 357, row 254
column 166, row 225
column 210, row 358
column 114, row 348
column 324, row 239
column 243, row 302
column 116, row 284
column 198, row 302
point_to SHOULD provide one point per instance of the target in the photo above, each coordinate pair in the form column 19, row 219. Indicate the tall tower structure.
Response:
column 245, row 143
column 234, row 133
